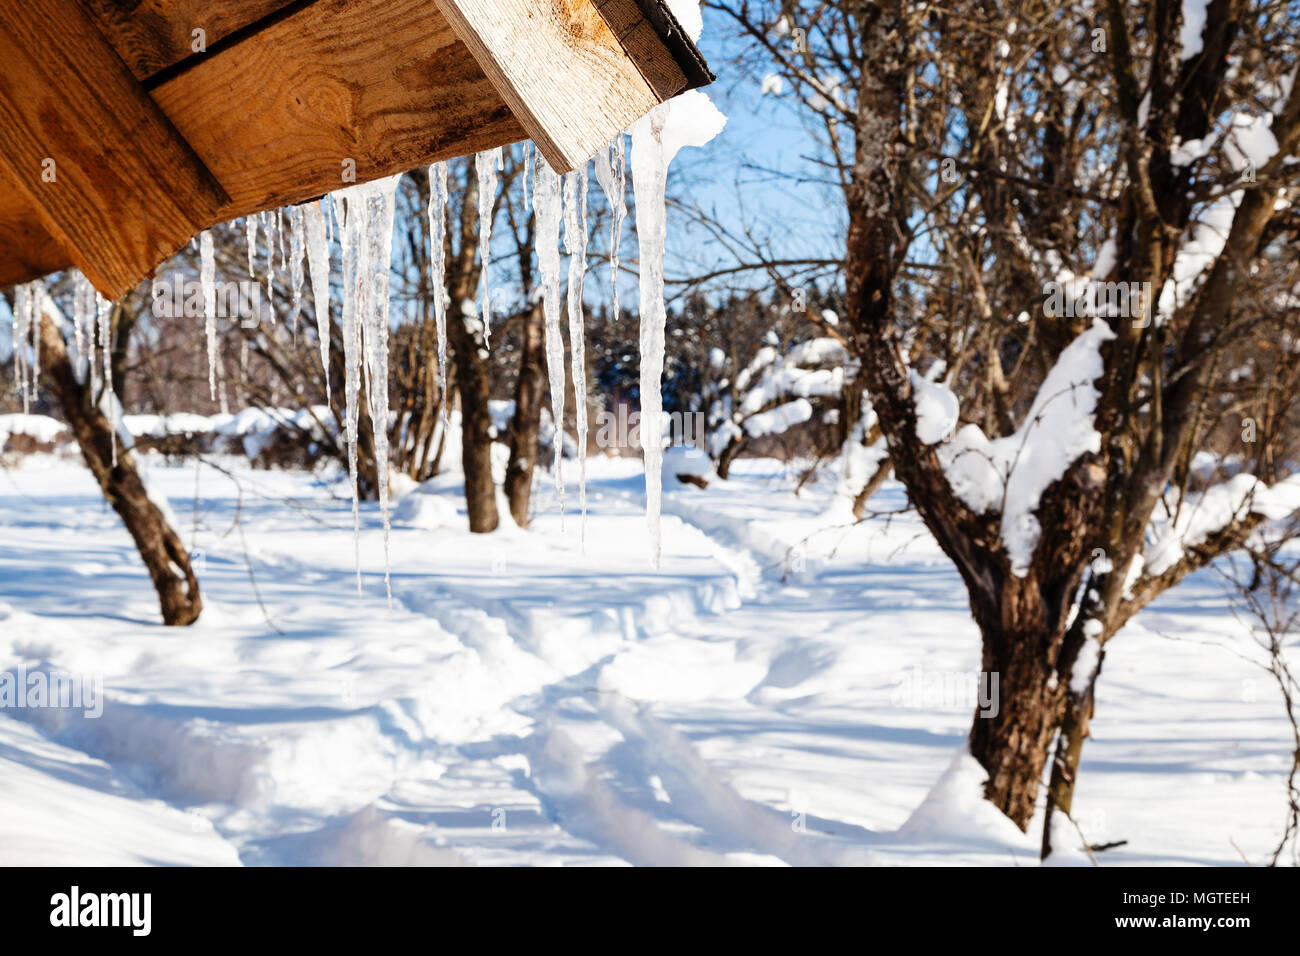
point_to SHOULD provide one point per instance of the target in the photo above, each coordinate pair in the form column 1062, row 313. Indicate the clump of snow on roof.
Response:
column 1010, row 474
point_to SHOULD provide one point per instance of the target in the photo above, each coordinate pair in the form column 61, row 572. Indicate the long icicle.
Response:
column 21, row 332
column 546, row 203
column 104, row 314
column 380, row 207
column 612, row 176
column 649, row 183
column 318, row 263
column 296, row 249
column 207, row 281
column 352, row 253
column 486, row 165
column 438, row 271
column 575, row 244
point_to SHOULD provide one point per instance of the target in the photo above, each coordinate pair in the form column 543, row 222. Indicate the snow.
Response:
column 936, row 410
column 1010, row 474
column 526, row 703
column 776, row 420
column 1189, row 36
column 40, row 427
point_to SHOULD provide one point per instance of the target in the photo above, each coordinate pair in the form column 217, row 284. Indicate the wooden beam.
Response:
column 569, row 82
column 384, row 83
column 109, row 177
column 152, row 35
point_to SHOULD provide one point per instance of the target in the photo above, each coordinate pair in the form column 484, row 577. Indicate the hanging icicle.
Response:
column 365, row 237
column 207, row 281
column 611, row 173
column 104, row 315
column 318, row 263
column 486, row 165
column 83, row 310
column 546, row 202
column 649, row 182
column 296, row 250
column 21, row 334
column 250, row 232
column 575, row 245
column 438, row 271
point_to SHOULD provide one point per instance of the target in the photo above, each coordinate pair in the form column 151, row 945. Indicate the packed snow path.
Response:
column 772, row 694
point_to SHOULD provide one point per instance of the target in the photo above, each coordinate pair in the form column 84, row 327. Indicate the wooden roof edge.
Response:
column 682, row 47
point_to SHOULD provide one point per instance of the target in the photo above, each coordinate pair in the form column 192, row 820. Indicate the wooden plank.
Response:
column 571, row 84
column 107, row 173
column 384, row 83
column 27, row 250
column 151, row 35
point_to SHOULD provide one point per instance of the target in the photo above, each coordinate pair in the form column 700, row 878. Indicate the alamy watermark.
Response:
column 52, row 689
column 177, row 297
column 621, row 428
column 1124, row 300
column 946, row 690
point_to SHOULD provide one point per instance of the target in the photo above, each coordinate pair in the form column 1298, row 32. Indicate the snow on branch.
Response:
column 1009, row 475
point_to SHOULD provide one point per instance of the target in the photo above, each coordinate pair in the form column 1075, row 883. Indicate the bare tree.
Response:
column 987, row 155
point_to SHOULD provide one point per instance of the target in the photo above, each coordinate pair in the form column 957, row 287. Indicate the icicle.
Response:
column 354, row 269
column 268, row 227
column 104, row 314
column 295, row 263
column 380, row 205
column 318, row 261
column 575, row 244
column 438, row 269
column 546, row 202
column 528, row 173
column 613, row 181
column 250, row 231
column 83, row 311
column 366, row 237
column 279, row 237
column 207, row 280
column 21, row 332
column 486, row 165
column 649, row 182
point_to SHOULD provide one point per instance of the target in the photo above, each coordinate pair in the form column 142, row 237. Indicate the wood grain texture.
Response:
column 644, row 45
column 560, row 68
column 127, row 190
column 151, row 35
column 384, row 83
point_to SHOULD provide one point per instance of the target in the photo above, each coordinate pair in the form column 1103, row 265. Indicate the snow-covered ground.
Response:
column 782, row 690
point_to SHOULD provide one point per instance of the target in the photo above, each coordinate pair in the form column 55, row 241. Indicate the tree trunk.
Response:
column 1013, row 741
column 159, row 546
column 525, row 426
